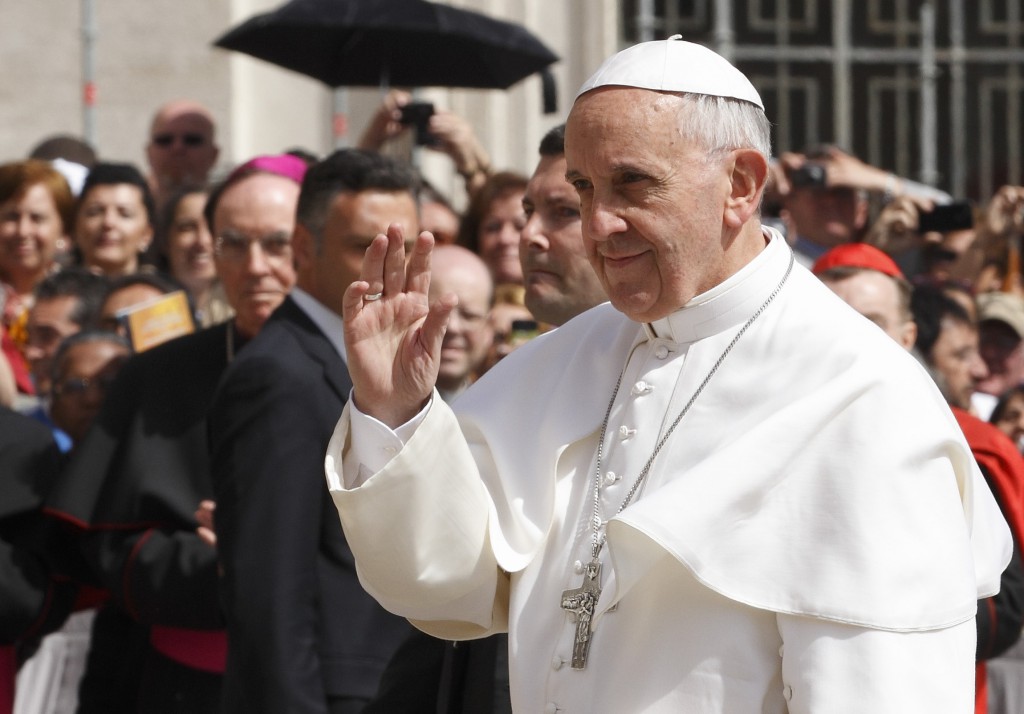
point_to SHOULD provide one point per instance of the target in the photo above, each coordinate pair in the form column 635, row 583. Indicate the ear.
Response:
column 147, row 240
column 748, row 173
column 303, row 247
column 908, row 334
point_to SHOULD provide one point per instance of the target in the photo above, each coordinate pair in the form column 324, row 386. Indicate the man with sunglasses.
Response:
column 181, row 149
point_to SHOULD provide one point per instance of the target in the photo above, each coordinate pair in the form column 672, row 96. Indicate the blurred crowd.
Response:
column 173, row 365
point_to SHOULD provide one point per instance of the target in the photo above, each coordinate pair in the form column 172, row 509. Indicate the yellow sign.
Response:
column 158, row 320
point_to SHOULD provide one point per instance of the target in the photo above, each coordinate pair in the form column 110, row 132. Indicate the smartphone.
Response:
column 417, row 115
column 523, row 331
column 955, row 216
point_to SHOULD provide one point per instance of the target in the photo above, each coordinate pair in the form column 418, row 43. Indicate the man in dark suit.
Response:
column 133, row 484
column 303, row 635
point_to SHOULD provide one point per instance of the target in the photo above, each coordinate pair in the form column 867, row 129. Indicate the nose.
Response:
column 109, row 214
column 532, row 234
column 204, row 239
column 25, row 225
column 93, row 396
column 979, row 370
column 602, row 220
column 509, row 234
column 257, row 262
column 456, row 323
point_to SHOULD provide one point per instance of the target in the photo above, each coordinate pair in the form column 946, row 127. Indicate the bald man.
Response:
column 181, row 149
column 872, row 284
column 462, row 272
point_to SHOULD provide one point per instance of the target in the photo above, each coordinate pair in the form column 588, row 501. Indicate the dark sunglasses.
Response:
column 191, row 140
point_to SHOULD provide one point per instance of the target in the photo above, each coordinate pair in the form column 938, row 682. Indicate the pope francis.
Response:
column 724, row 491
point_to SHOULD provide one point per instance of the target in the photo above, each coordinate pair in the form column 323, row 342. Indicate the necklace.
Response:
column 581, row 601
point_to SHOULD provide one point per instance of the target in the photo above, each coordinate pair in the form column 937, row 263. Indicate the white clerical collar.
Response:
column 730, row 303
column 326, row 319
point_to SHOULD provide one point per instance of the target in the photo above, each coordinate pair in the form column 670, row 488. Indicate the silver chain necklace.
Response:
column 582, row 600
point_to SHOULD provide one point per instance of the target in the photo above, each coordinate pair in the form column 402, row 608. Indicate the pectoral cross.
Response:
column 581, row 602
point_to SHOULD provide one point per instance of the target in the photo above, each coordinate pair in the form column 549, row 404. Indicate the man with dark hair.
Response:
column 947, row 343
column 303, row 636
column 64, row 303
column 560, row 282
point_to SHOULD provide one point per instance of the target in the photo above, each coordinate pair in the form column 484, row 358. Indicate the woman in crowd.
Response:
column 491, row 225
column 36, row 209
column 184, row 250
column 113, row 219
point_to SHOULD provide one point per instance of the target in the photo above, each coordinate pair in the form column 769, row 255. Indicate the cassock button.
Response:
column 390, row 450
column 551, row 708
column 661, row 352
column 578, row 566
column 782, row 649
column 610, row 477
column 787, row 692
column 625, row 432
column 641, row 388
column 557, row 662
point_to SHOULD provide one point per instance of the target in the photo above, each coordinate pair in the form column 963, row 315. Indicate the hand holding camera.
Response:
column 417, row 115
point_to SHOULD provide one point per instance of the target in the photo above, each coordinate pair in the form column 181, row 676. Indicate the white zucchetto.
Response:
column 673, row 65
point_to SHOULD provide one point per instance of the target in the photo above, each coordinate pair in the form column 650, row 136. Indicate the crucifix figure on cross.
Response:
column 581, row 602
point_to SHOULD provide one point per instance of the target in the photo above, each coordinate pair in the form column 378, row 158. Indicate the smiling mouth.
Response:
column 620, row 261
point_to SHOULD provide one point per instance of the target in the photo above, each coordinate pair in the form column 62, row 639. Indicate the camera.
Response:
column 810, row 174
column 955, row 216
column 417, row 115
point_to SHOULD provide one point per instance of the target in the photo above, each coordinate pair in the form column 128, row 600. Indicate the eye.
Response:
column 633, row 177
column 581, row 185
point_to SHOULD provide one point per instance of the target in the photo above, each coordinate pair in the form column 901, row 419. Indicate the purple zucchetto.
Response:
column 286, row 165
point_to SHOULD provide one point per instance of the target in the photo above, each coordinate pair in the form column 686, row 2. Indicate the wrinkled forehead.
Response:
column 616, row 123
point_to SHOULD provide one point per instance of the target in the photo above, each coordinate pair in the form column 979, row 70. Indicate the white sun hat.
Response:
column 673, row 65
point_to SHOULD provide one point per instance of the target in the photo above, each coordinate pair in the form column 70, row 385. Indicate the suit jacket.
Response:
column 301, row 630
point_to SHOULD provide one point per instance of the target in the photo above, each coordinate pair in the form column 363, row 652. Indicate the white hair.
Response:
column 722, row 124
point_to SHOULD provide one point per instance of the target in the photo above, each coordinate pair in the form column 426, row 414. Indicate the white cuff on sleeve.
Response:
column 374, row 443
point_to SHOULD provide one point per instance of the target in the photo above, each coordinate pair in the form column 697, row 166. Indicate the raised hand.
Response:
column 204, row 516
column 896, row 228
column 392, row 334
column 386, row 123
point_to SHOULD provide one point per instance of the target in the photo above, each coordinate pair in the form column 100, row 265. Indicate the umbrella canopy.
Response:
column 409, row 43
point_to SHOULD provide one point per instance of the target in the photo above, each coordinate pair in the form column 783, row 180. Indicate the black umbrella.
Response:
column 408, row 43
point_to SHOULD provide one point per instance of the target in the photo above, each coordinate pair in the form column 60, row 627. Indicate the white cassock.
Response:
column 812, row 538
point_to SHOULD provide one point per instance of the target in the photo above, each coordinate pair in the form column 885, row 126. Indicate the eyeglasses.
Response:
column 237, row 248
column 78, row 387
column 190, row 139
